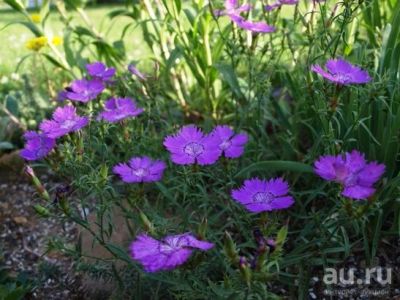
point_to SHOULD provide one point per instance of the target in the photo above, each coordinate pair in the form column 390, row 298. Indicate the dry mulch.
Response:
column 24, row 237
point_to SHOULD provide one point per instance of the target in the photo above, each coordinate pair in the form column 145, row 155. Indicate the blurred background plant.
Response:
column 200, row 68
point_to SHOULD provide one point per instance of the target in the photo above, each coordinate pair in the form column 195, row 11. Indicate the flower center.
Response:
column 140, row 172
column 342, row 77
column 170, row 245
column 263, row 197
column 225, row 145
column 67, row 124
column 194, row 149
column 341, row 172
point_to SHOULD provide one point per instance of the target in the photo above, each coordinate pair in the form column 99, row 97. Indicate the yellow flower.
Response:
column 36, row 18
column 57, row 40
column 36, row 43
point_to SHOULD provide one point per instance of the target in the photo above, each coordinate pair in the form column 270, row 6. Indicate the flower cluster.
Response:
column 37, row 146
column 233, row 10
column 99, row 71
column 84, row 90
column 190, row 145
column 167, row 254
column 36, row 18
column 140, row 169
column 65, row 119
column 261, row 195
column 36, row 43
column 352, row 171
column 117, row 109
column 342, row 72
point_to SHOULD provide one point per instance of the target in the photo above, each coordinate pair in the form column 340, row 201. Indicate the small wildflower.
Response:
column 342, row 72
column 351, row 170
column 98, row 70
column 84, row 90
column 117, row 109
column 279, row 3
column 36, row 18
column 230, row 144
column 190, row 146
column 140, row 169
column 232, row 7
column 36, row 43
column 258, row 27
column 166, row 254
column 233, row 11
column 57, row 40
column 261, row 195
column 37, row 145
column 65, row 120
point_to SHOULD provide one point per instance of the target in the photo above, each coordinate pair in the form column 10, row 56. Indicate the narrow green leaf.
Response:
column 273, row 166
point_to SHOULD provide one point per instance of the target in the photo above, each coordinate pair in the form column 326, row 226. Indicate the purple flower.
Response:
column 84, row 90
column 190, row 146
column 232, row 7
column 65, row 120
column 279, row 3
column 352, row 171
column 62, row 95
column 233, row 11
column 134, row 71
column 259, row 195
column 117, row 109
column 342, row 72
column 166, row 254
column 98, row 70
column 251, row 26
column 37, row 145
column 231, row 144
column 140, row 169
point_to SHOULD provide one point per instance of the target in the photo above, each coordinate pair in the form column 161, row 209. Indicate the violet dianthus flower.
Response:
column 259, row 195
column 117, row 109
column 140, row 169
column 351, row 170
column 37, row 145
column 65, row 120
column 98, row 70
column 190, row 145
column 279, row 3
column 342, row 72
column 134, row 71
column 166, row 254
column 230, row 144
column 84, row 90
column 261, row 27
column 232, row 7
column 233, row 11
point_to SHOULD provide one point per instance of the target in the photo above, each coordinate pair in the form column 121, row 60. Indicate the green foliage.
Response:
column 203, row 69
column 13, row 288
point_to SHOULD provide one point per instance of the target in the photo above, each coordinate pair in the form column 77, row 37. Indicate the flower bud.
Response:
column 42, row 211
column 36, row 182
column 230, row 248
column 146, row 222
column 202, row 229
column 245, row 270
